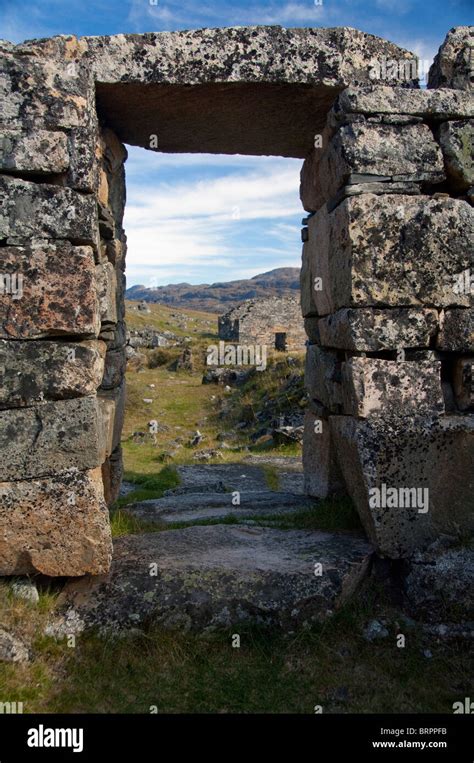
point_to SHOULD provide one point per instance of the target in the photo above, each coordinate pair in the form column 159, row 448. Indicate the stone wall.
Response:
column 62, row 332
column 257, row 321
column 389, row 367
column 387, row 293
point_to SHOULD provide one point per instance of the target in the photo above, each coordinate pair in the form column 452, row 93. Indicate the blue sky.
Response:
column 203, row 218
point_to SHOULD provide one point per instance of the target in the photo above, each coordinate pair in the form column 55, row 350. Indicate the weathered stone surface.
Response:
column 210, row 578
column 38, row 152
column 114, row 371
column 11, row 648
column 30, row 210
column 323, row 377
column 392, row 152
column 440, row 585
column 58, row 292
column 36, row 371
column 391, row 251
column 50, row 437
column 112, row 471
column 115, row 399
column 386, row 387
column 279, row 82
column 56, row 526
column 372, row 330
column 107, row 288
column 195, row 506
column 437, row 105
column 463, row 383
column 457, row 143
column 307, row 301
column 406, row 453
column 322, row 474
column 454, row 63
column 456, row 330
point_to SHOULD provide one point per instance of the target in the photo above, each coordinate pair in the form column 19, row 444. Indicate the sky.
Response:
column 203, row 218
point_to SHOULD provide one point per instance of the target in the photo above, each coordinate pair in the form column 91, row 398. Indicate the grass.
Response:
column 331, row 665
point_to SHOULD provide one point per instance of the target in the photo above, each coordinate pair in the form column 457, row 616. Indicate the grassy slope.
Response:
column 332, row 665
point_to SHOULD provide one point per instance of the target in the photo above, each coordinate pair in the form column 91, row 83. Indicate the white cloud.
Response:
column 200, row 226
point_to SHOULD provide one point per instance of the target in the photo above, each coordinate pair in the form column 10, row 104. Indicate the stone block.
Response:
column 57, row 295
column 411, row 478
column 308, row 304
column 36, row 371
column 463, row 383
column 57, row 526
column 454, row 63
column 106, row 280
column 456, row 331
column 391, row 251
column 322, row 474
column 117, row 397
column 43, row 211
column 114, row 371
column 457, row 143
column 388, row 152
column 39, row 152
column 433, row 104
column 50, row 437
column 323, row 377
column 112, row 471
column 372, row 330
column 373, row 387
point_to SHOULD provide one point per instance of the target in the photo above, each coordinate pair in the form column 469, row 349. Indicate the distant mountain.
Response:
column 220, row 297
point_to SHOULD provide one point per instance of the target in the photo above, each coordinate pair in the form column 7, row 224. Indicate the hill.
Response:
column 222, row 296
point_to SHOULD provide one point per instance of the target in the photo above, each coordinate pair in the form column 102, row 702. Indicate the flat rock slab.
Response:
column 209, row 578
column 242, row 477
column 193, row 507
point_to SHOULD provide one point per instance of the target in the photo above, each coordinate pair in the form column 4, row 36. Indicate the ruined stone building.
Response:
column 387, row 182
column 275, row 322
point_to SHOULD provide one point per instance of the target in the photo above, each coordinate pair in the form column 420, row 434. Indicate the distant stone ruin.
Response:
column 275, row 322
column 386, row 283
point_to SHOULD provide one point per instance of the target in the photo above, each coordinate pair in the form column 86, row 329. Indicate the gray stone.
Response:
column 456, row 331
column 49, row 437
column 31, row 210
column 11, row 648
column 409, row 153
column 107, row 289
column 323, row 377
column 25, row 589
column 388, row 250
column 373, row 387
column 322, row 474
column 457, row 143
column 36, row 371
column 195, row 506
column 114, row 370
column 454, row 63
column 372, row 330
column 404, row 453
column 463, row 383
column 439, row 587
column 57, row 526
column 278, row 82
column 375, row 630
column 437, row 105
column 40, row 152
column 258, row 321
column 211, row 578
column 58, row 294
